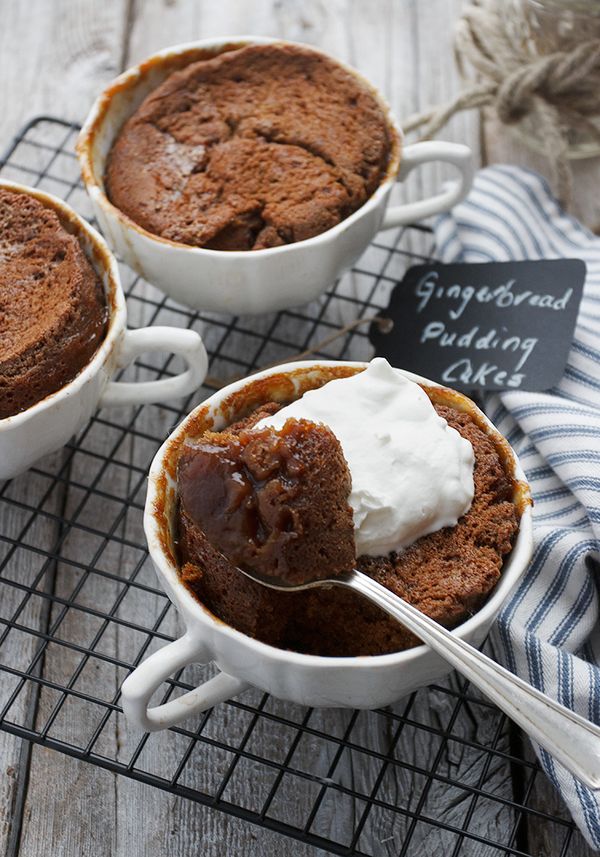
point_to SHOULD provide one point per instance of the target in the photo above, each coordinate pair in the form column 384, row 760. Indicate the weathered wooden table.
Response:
column 54, row 57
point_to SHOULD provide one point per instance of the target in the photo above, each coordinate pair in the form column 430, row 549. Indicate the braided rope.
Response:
column 558, row 91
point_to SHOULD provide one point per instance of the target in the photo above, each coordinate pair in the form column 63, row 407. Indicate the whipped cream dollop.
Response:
column 412, row 474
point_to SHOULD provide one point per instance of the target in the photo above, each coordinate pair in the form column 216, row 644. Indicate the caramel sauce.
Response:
column 274, row 502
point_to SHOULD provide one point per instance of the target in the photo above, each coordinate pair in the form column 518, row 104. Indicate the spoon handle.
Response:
column 568, row 737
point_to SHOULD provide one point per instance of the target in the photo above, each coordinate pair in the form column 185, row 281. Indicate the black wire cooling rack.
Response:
column 80, row 608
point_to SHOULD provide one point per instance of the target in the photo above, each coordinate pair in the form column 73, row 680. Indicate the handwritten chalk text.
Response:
column 486, row 374
column 474, row 338
column 502, row 296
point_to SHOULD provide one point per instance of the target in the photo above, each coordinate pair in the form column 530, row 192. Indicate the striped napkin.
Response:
column 548, row 632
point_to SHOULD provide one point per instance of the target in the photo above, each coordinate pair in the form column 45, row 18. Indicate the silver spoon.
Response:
column 569, row 738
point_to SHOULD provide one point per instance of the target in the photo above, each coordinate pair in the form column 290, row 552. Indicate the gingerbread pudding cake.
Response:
column 256, row 147
column 53, row 313
column 447, row 572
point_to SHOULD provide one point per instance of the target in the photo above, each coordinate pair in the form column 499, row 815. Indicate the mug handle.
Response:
column 187, row 343
column 138, row 687
column 457, row 154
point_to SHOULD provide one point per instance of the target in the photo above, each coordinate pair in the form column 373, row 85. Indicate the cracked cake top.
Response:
column 257, row 147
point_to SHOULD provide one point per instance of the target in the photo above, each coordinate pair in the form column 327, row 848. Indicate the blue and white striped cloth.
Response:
column 548, row 632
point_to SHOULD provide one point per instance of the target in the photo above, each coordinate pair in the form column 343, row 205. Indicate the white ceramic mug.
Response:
column 357, row 682
column 258, row 280
column 48, row 424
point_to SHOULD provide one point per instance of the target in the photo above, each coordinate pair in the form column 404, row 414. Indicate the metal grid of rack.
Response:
column 80, row 608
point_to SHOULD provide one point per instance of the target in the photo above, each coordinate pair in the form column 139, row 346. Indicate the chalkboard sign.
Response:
column 491, row 326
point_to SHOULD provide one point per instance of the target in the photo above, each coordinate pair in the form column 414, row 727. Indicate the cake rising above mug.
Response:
column 245, row 175
column 257, row 147
column 63, row 330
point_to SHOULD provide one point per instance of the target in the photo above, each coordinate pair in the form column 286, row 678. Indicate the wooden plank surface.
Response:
column 76, row 809
column 55, row 55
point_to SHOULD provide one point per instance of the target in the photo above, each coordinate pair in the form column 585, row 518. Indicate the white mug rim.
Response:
column 128, row 79
column 115, row 302
column 191, row 606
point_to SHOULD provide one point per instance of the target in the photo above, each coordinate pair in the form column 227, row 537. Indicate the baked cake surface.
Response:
column 447, row 574
column 53, row 312
column 257, row 147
